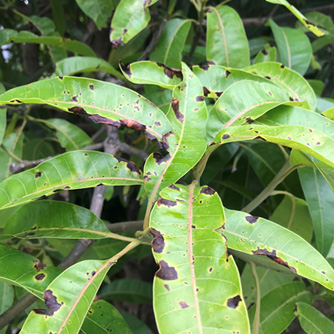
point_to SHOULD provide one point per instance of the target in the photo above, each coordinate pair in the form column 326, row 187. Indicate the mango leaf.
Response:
column 160, row 74
column 28, row 272
column 74, row 65
column 293, row 214
column 91, row 97
column 302, row 138
column 268, row 54
column 46, row 219
column 99, row 11
column 130, row 18
column 130, row 290
column 277, row 307
column 186, row 144
column 67, row 299
column 257, row 44
column 268, row 279
column 226, row 41
column 299, row 16
column 313, row 321
column 294, row 47
column 70, row 136
column 12, row 36
column 235, row 109
column 71, row 170
column 320, row 199
column 197, row 284
column 104, row 318
column 171, row 43
column 136, row 325
column 296, row 86
column 273, row 246
column 7, row 293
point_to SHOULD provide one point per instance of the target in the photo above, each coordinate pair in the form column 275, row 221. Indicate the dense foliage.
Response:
column 197, row 131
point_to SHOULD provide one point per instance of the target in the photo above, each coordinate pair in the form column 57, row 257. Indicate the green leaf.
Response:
column 226, row 41
column 302, row 138
column 197, row 284
column 171, row 43
column 130, row 18
column 53, row 219
column 58, row 16
column 7, row 294
column 91, row 98
column 71, row 170
column 293, row 214
column 67, row 299
column 261, row 241
column 296, row 86
column 3, row 117
column 74, row 65
column 186, row 144
column 293, row 46
column 277, row 307
column 268, row 54
column 313, row 321
column 136, row 325
column 235, row 109
column 268, row 279
column 320, row 200
column 28, row 272
column 299, row 16
column 159, row 74
column 104, row 318
column 11, row 36
column 130, row 290
column 99, row 11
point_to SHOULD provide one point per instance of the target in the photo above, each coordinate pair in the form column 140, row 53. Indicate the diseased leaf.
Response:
column 313, row 321
column 268, row 244
column 299, row 16
column 197, row 284
column 99, row 11
column 28, row 272
column 53, row 219
column 226, row 41
column 293, row 46
column 159, row 74
column 186, row 144
column 296, row 86
column 171, row 43
column 130, row 18
column 92, row 98
column 320, row 200
column 268, row 54
column 277, row 307
column 104, row 318
column 71, row 170
column 67, row 299
column 74, row 65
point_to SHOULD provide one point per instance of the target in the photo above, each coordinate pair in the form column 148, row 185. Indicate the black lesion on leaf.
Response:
column 170, row 72
column 78, row 111
column 207, row 191
column 129, row 164
column 204, row 67
column 206, row 92
column 249, row 120
column 159, row 158
column 172, row 186
column 166, row 202
column 91, row 87
column 130, row 123
column 125, row 69
column 15, row 101
column 264, row 52
column 158, row 243
column 38, row 174
column 61, row 78
column 251, row 219
column 309, row 23
column 199, row 98
column 40, row 277
column 227, row 74
column 74, row 98
column 282, row 66
column 164, row 143
column 260, row 138
column 226, row 136
column 175, row 107
column 51, row 303
column 167, row 287
column 268, row 77
column 183, row 304
column 272, row 256
column 38, row 265
column 233, row 302
column 166, row 272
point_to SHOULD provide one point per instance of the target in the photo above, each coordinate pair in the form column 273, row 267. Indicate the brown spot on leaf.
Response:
column 233, row 302
column 159, row 158
column 166, row 202
column 175, row 107
column 183, row 304
column 74, row 98
column 15, row 101
column 91, row 87
column 164, row 144
column 51, row 303
column 249, row 120
column 157, row 123
column 167, row 287
column 38, row 265
column 78, row 110
column 226, row 136
column 199, row 98
column 166, row 272
column 38, row 174
column 170, row 72
column 158, row 243
column 172, row 186
column 206, row 92
column 264, row 52
column 260, row 138
column 252, row 219
column 227, row 74
column 268, row 77
column 125, row 69
column 130, row 123
column 207, row 191
column 282, row 66
column 129, row 164
column 40, row 276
